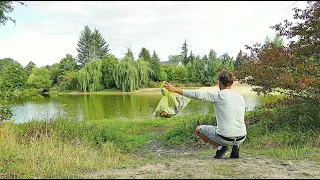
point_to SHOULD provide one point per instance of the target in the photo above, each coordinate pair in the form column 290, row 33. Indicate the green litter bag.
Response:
column 170, row 104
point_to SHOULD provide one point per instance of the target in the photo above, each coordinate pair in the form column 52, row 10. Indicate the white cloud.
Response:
column 161, row 26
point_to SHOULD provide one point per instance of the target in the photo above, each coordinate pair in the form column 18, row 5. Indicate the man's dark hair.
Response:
column 226, row 78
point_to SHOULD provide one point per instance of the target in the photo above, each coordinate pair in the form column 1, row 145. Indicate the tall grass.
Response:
column 48, row 156
column 66, row 149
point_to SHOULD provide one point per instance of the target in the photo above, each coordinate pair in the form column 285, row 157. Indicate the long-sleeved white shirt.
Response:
column 229, row 108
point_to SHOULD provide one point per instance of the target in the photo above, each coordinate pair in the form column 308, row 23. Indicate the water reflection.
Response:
column 90, row 107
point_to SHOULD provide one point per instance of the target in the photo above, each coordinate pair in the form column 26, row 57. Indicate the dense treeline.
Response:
column 95, row 69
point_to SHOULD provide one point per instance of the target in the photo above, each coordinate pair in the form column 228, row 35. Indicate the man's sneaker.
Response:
column 234, row 152
column 221, row 152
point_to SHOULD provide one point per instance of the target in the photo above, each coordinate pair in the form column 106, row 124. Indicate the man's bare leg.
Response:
column 205, row 138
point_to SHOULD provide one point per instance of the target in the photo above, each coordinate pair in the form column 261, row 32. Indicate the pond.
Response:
column 124, row 106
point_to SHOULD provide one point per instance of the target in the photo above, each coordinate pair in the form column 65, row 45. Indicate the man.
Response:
column 229, row 109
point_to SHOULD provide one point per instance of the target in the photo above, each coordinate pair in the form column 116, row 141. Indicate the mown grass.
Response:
column 66, row 149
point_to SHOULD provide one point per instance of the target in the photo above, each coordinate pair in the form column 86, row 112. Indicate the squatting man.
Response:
column 229, row 109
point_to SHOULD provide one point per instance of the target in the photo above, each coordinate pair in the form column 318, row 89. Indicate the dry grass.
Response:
column 49, row 157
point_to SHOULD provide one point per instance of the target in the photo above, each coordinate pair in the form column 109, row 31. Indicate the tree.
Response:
column 184, row 53
column 227, row 62
column 54, row 72
column 195, row 70
column 191, row 57
column 180, row 74
column 295, row 67
column 175, row 58
column 12, row 75
column 6, row 8
column 169, row 70
column 108, row 67
column 129, row 55
column 29, row 68
column 100, row 46
column 211, row 67
column 67, row 64
column 155, row 66
column 163, row 76
column 212, row 55
column 90, row 77
column 84, row 48
column 91, row 46
column 145, row 54
column 239, row 60
column 40, row 79
column 68, row 81
column 126, row 75
column 144, row 71
column 277, row 41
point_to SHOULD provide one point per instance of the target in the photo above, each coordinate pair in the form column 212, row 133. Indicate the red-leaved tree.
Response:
column 292, row 69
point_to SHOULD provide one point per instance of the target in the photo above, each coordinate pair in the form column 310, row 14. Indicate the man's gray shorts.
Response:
column 210, row 132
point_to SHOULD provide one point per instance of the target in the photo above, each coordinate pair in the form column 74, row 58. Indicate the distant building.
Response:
column 176, row 63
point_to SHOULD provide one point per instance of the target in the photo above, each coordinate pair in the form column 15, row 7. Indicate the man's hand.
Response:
column 171, row 88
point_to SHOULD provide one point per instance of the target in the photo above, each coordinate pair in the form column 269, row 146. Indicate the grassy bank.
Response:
column 65, row 149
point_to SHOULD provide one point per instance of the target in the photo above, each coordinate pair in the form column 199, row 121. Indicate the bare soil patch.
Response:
column 192, row 163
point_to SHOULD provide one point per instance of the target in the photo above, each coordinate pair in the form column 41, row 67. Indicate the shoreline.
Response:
column 238, row 87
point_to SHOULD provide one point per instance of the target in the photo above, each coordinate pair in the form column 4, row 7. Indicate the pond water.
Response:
column 91, row 107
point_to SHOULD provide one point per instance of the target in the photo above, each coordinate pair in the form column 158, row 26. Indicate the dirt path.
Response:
column 194, row 164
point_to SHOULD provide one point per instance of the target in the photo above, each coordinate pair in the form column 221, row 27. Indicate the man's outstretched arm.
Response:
column 173, row 89
column 203, row 96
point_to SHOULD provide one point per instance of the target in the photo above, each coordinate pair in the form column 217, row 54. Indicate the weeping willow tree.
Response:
column 126, row 75
column 144, row 71
column 90, row 77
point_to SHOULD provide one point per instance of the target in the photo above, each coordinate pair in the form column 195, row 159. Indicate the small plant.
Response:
column 5, row 109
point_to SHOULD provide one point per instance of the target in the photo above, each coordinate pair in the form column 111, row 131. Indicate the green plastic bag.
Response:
column 170, row 104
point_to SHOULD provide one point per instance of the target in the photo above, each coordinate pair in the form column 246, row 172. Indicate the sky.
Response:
column 45, row 31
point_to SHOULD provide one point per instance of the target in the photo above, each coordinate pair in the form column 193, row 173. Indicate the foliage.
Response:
column 180, row 74
column 29, row 68
column 227, row 62
column 131, row 75
column 168, row 69
column 108, row 67
column 294, row 68
column 126, row 75
column 145, row 54
column 54, row 72
column 163, row 76
column 210, row 70
column 5, row 107
column 90, row 77
column 12, row 75
column 191, row 57
column 40, row 79
column 68, row 81
column 184, row 53
column 129, row 54
column 175, row 58
column 239, row 60
column 91, row 46
column 67, row 64
column 100, row 46
column 155, row 66
column 6, row 8
column 196, row 70
column 143, row 72
column 277, row 42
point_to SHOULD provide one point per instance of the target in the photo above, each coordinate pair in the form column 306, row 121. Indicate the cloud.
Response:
column 53, row 27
